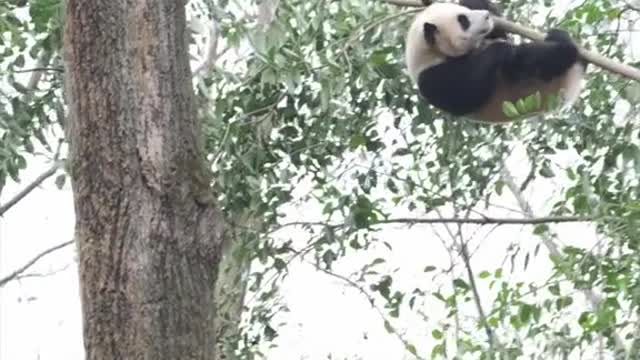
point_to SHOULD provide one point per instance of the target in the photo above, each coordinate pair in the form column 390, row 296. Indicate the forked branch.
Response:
column 29, row 188
column 26, row 266
column 590, row 56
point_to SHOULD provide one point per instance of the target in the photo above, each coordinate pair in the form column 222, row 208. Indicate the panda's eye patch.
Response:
column 464, row 22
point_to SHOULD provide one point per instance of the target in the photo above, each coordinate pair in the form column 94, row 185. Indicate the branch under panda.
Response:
column 590, row 56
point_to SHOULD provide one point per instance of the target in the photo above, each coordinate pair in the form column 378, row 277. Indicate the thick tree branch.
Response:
column 590, row 56
column 477, row 221
column 488, row 220
column 44, row 176
column 23, row 268
column 211, row 52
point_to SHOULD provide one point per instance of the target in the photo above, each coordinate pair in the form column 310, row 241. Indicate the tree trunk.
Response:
column 231, row 289
column 148, row 236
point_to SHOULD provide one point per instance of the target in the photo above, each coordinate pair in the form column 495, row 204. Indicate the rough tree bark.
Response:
column 148, row 236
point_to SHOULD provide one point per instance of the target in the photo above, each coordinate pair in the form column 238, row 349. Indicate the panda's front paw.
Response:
column 558, row 35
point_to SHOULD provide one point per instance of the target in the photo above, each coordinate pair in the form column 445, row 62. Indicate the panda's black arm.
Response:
column 463, row 85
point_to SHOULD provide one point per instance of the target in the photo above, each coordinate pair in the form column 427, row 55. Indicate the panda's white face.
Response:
column 452, row 29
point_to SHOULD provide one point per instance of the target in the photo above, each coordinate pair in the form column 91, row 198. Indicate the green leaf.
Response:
column 521, row 106
column 411, row 348
column 42, row 11
column 540, row 229
column 459, row 283
column 60, row 181
column 546, row 171
column 19, row 61
column 438, row 350
column 328, row 258
column 537, row 100
column 509, row 109
column 439, row 296
column 388, row 327
column 554, row 289
column 279, row 264
column 269, row 76
column 563, row 302
column 525, row 313
column 270, row 333
column 357, row 140
column 402, row 152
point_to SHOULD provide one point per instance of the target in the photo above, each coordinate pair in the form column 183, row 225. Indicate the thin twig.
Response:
column 470, row 276
column 44, row 176
column 20, row 270
column 590, row 56
column 37, row 275
column 43, row 61
column 369, row 298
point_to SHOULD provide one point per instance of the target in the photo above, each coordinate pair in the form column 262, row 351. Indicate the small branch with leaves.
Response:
column 625, row 70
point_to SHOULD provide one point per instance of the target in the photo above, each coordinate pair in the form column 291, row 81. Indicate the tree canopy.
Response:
column 462, row 239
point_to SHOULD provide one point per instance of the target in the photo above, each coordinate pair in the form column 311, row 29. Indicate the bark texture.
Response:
column 148, row 239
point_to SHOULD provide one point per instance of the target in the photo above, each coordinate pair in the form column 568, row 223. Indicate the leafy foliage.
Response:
column 313, row 111
column 30, row 37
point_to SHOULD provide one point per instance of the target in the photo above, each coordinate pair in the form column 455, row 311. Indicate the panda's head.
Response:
column 444, row 30
column 453, row 29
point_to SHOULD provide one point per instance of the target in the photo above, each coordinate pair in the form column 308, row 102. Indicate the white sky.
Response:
column 40, row 316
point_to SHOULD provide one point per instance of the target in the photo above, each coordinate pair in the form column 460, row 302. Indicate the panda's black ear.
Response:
column 429, row 30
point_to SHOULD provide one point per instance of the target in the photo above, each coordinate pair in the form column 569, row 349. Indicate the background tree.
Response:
column 148, row 235
column 323, row 157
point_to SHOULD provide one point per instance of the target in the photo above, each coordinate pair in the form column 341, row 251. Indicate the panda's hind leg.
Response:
column 558, row 56
column 562, row 36
column 558, row 35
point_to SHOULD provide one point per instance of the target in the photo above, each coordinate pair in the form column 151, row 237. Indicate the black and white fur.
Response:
column 465, row 66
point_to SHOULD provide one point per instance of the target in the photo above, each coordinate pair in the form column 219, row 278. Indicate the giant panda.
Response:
column 466, row 67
